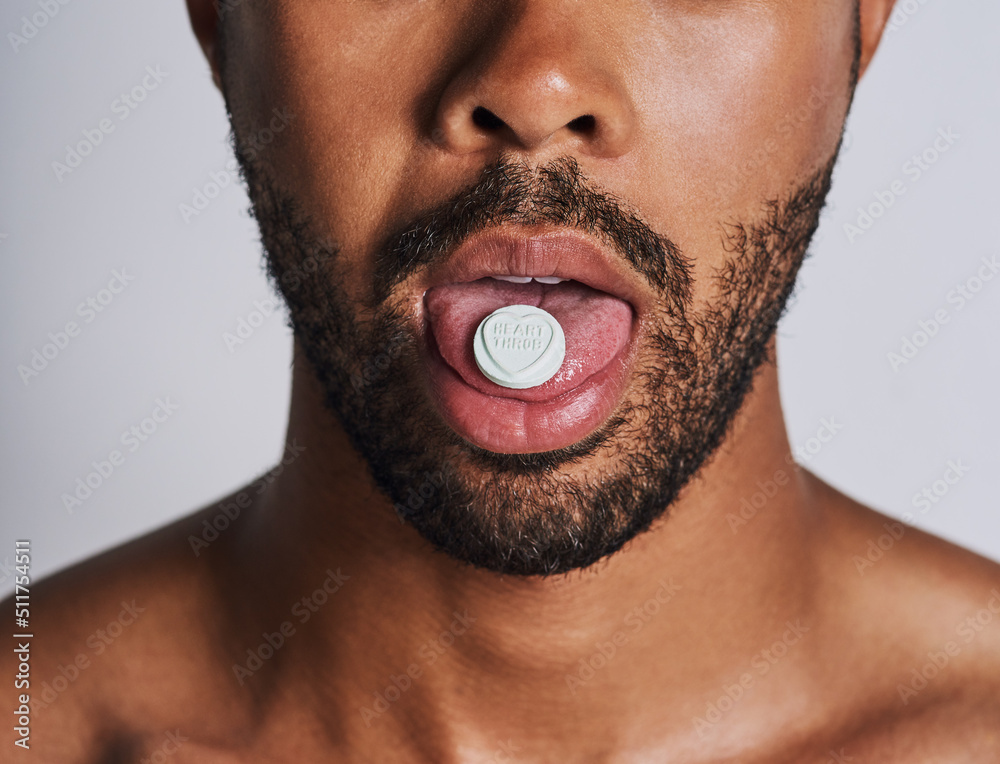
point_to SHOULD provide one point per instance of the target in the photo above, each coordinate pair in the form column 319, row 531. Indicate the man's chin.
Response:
column 524, row 514
column 529, row 525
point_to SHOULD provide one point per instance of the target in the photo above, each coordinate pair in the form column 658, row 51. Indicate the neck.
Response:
column 412, row 640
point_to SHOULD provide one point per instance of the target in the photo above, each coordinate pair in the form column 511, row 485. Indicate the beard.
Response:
column 536, row 514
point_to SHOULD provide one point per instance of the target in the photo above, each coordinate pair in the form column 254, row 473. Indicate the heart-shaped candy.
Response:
column 519, row 346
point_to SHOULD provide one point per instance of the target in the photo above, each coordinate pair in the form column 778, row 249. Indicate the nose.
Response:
column 539, row 81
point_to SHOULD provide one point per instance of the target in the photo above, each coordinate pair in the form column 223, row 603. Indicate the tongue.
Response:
column 596, row 325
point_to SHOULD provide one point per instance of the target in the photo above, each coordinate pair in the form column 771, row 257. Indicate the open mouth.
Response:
column 597, row 327
column 571, row 279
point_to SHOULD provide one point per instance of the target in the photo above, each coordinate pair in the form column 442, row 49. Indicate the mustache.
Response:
column 555, row 193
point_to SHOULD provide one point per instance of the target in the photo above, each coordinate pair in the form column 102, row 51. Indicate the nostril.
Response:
column 584, row 124
column 486, row 119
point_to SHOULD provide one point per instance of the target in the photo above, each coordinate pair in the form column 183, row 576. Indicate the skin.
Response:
column 658, row 78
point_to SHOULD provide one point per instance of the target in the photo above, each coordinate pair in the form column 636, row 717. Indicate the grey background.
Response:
column 193, row 281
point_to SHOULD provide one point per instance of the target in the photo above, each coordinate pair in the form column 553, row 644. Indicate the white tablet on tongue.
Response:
column 519, row 346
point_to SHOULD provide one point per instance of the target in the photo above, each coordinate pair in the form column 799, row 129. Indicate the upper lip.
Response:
column 562, row 252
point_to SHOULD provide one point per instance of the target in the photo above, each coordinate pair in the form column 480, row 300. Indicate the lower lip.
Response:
column 511, row 426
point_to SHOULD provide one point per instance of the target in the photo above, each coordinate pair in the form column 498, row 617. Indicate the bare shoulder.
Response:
column 917, row 620
column 122, row 645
